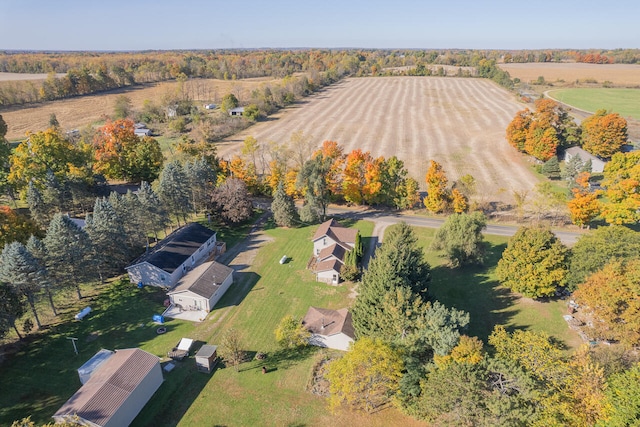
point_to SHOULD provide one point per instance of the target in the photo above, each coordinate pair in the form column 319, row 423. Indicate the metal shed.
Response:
column 207, row 358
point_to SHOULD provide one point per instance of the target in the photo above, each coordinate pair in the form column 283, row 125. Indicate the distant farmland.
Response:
column 618, row 74
column 625, row 102
column 458, row 122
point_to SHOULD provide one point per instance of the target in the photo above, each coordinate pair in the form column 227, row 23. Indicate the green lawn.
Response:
column 43, row 374
column 626, row 102
column 477, row 291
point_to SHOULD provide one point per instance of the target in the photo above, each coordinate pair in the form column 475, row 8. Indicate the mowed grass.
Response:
column 43, row 374
column 477, row 291
column 625, row 102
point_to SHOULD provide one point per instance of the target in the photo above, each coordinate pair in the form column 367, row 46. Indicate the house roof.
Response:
column 582, row 154
column 336, row 250
column 204, row 280
column 337, row 232
column 176, row 248
column 328, row 265
column 109, row 386
column 322, row 321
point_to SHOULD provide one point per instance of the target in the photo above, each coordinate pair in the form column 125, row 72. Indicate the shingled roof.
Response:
column 204, row 280
column 335, row 231
column 176, row 248
column 322, row 321
column 109, row 386
column 336, row 250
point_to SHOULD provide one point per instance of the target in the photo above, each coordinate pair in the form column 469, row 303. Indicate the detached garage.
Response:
column 116, row 391
column 202, row 287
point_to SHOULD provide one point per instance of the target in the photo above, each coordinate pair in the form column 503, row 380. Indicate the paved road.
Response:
column 566, row 237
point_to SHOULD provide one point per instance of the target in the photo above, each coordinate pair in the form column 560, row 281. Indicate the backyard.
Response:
column 264, row 292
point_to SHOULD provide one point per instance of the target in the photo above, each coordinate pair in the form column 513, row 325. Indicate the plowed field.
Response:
column 458, row 122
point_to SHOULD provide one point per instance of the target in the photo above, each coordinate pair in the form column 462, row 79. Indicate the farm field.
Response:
column 8, row 77
column 625, row 102
column 618, row 74
column 75, row 113
column 455, row 121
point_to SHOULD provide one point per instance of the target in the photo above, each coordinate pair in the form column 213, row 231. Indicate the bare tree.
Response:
column 231, row 348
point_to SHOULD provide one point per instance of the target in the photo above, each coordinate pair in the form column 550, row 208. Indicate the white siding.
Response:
column 224, row 287
column 149, row 275
column 189, row 299
column 322, row 243
column 139, row 397
column 338, row 341
column 328, row 276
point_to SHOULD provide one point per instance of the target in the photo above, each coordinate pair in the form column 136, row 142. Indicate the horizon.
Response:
column 146, row 25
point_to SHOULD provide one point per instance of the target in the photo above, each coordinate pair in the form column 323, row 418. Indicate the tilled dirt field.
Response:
column 618, row 74
column 455, row 121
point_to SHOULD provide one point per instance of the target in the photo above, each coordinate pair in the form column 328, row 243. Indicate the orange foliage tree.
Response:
column 517, row 129
column 332, row 152
column 584, row 206
column 361, row 177
column 604, row 134
column 15, row 227
column 611, row 297
column 437, row 195
column 459, row 202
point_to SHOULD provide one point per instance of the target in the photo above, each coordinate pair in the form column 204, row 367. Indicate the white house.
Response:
column 329, row 328
column 331, row 242
column 173, row 256
column 142, row 132
column 238, row 111
column 597, row 164
column 116, row 391
column 202, row 287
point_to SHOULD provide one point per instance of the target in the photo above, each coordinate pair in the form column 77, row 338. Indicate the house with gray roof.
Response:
column 597, row 164
column 201, row 288
column 116, row 391
column 174, row 256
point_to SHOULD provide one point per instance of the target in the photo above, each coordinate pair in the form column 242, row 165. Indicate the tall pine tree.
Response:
column 38, row 250
column 23, row 272
column 154, row 216
column 69, row 253
column 108, row 238
column 283, row 208
column 173, row 190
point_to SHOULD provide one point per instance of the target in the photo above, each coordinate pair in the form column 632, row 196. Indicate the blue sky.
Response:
column 201, row 24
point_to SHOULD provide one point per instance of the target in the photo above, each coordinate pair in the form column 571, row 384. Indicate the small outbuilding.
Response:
column 238, row 111
column 85, row 371
column 116, row 392
column 207, row 358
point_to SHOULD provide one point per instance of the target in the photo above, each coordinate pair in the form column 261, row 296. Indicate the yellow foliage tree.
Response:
column 437, row 195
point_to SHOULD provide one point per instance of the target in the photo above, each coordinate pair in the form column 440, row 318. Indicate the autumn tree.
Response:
column 597, row 248
column 121, row 154
column 46, row 151
column 15, row 227
column 622, row 194
column 534, row 263
column 437, row 194
column 623, row 398
column 518, row 128
column 584, row 206
column 398, row 189
column 366, row 377
column 231, row 201
column 231, row 347
column 604, row 134
column 332, row 153
column 461, row 238
column 291, row 333
column 611, row 296
column 361, row 177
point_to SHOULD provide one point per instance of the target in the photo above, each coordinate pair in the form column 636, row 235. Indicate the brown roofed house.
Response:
column 329, row 328
column 331, row 242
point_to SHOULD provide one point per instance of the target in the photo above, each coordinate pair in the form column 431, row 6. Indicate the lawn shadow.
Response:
column 473, row 289
column 282, row 358
column 243, row 284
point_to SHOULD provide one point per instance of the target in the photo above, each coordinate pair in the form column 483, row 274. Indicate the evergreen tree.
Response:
column 11, row 309
column 53, row 121
column 551, row 168
column 313, row 180
column 37, row 207
column 108, row 237
column 202, row 178
column 283, row 208
column 397, row 264
column 154, row 216
column 173, row 190
column 38, row 250
column 311, row 211
column 572, row 168
column 69, row 253
column 358, row 248
column 23, row 272
column 53, row 194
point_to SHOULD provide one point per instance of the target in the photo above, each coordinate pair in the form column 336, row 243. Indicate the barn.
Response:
column 116, row 391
